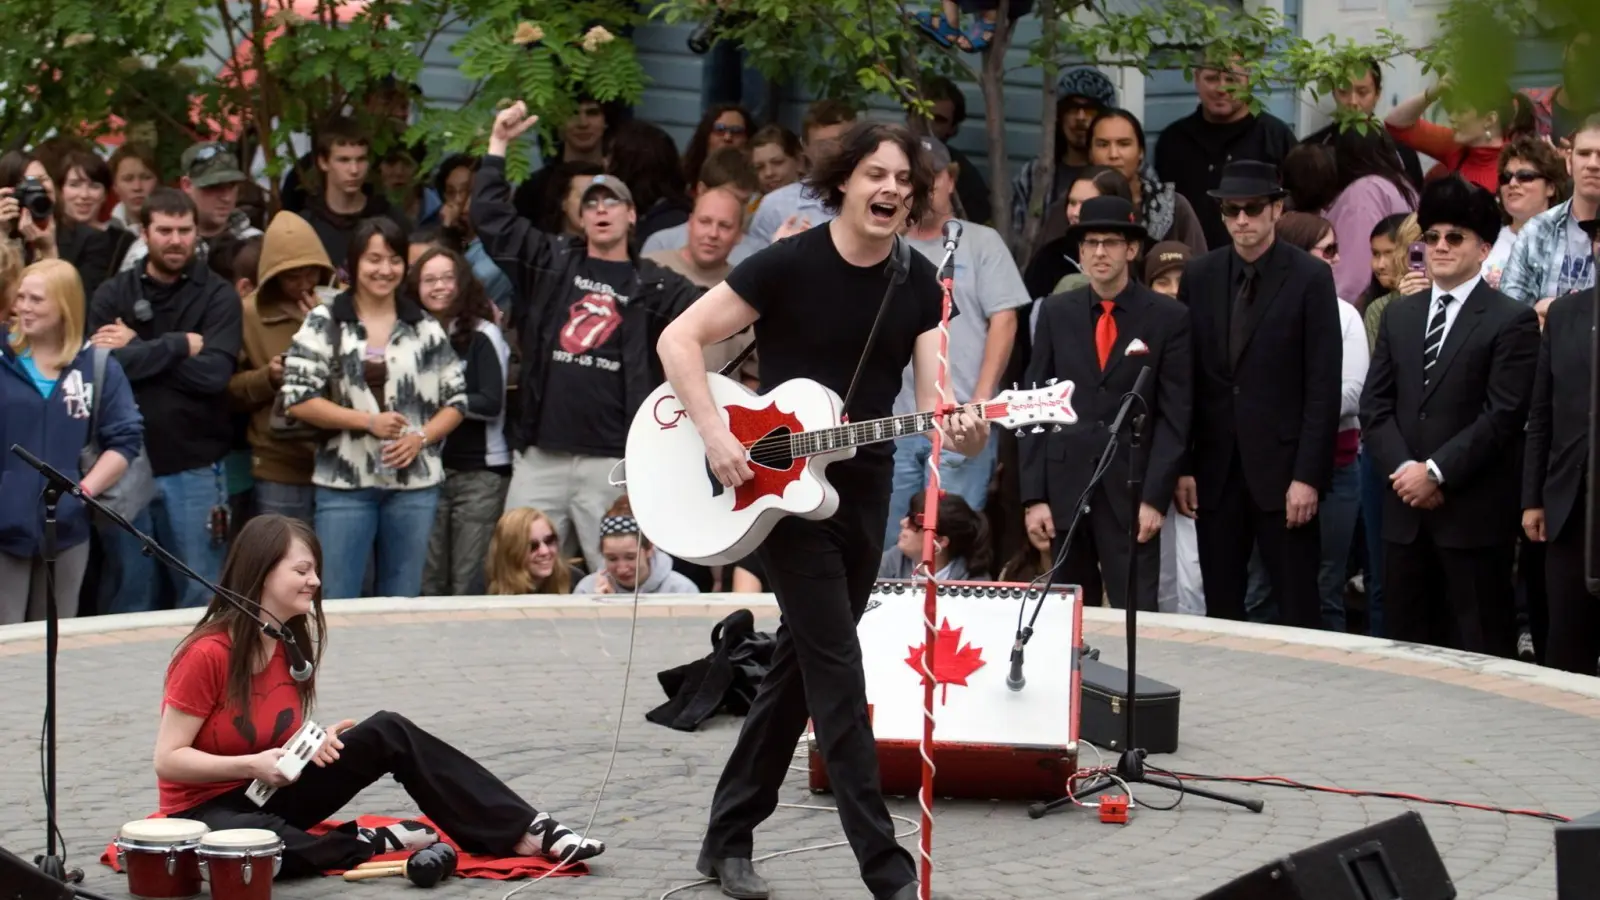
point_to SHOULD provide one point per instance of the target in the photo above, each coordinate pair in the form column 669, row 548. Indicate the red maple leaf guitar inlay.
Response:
column 750, row 425
column 952, row 662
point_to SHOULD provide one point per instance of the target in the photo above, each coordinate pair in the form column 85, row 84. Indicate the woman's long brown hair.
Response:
column 259, row 547
column 508, row 557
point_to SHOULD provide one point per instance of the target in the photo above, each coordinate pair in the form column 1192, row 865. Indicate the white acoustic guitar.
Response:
column 793, row 432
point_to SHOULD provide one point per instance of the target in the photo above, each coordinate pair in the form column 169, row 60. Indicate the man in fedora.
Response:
column 1442, row 414
column 1266, row 401
column 1099, row 337
column 1555, row 474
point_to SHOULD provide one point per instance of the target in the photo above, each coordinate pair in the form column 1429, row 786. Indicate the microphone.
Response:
column 1139, row 384
column 299, row 666
column 952, row 235
column 1014, row 680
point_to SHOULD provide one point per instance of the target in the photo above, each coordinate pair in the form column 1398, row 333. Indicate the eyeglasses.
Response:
column 917, row 522
column 550, row 541
column 1453, row 238
column 1521, row 176
column 1252, row 209
column 599, row 202
column 438, row 280
column 1090, row 245
column 724, row 128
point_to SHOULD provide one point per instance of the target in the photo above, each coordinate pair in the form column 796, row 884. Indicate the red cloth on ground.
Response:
column 197, row 684
column 470, row 865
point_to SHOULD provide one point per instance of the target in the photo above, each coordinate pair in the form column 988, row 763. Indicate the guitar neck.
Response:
column 876, row 431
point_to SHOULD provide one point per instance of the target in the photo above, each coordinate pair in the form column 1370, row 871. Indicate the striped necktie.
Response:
column 1433, row 341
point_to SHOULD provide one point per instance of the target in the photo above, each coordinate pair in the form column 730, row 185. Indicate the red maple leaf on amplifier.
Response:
column 950, row 664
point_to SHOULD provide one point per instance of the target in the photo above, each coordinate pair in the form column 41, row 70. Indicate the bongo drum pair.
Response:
column 168, row 859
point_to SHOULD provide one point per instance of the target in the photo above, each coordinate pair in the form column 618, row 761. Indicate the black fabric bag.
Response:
column 724, row 681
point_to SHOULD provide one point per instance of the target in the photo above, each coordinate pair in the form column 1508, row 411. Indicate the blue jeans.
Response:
column 1374, row 485
column 297, row 501
column 356, row 525
column 1338, row 511
column 179, row 518
column 966, row 478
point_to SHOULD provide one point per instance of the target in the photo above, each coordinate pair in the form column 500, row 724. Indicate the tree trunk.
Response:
column 1044, row 169
column 994, row 120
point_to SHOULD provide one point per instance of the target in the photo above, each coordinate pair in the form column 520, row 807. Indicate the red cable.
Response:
column 1280, row 781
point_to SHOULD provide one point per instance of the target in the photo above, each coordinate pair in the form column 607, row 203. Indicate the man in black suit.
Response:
column 1099, row 337
column 1442, row 414
column 1267, row 350
column 1554, row 476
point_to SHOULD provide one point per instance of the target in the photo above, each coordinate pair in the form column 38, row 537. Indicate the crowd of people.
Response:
column 436, row 371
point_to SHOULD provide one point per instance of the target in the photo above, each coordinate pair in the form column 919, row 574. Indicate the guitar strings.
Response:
column 772, row 450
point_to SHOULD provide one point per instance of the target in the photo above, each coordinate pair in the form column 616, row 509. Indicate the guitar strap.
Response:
column 899, row 267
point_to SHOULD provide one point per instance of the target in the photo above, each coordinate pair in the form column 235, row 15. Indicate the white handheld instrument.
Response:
column 301, row 749
column 792, row 433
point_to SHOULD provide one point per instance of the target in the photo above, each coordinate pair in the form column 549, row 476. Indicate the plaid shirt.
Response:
column 1534, row 268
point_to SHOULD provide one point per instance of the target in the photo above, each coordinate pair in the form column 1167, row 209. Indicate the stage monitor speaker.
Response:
column 21, row 880
column 1392, row 860
column 1578, row 858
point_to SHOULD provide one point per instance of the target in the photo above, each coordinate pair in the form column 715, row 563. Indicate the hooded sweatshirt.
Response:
column 270, row 323
column 336, row 229
column 661, row 580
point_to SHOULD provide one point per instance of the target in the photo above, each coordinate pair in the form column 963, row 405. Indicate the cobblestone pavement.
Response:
column 534, row 694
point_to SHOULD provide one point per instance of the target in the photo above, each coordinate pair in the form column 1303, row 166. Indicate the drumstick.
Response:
column 380, row 864
column 398, row 868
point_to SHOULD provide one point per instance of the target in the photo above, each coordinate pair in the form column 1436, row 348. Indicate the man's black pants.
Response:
column 461, row 797
column 1230, row 530
column 1572, row 642
column 822, row 573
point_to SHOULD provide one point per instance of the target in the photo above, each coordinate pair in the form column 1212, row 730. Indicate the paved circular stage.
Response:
column 532, row 689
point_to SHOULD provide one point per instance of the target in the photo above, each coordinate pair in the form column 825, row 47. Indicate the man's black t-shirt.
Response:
column 585, row 403
column 816, row 312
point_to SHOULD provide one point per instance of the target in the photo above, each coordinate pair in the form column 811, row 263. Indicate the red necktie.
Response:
column 1105, row 332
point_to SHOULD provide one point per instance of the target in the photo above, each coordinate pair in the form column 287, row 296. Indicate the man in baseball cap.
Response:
column 211, row 177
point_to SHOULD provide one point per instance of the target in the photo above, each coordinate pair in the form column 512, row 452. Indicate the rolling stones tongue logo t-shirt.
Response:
column 584, row 409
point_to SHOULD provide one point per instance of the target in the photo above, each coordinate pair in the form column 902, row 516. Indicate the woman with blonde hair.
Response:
column 49, row 399
column 525, row 556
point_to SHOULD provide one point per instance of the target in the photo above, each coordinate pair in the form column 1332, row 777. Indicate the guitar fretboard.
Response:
column 875, row 431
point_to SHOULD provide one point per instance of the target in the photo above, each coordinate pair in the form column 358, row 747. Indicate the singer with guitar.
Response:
column 235, row 695
column 1101, row 336
column 813, row 299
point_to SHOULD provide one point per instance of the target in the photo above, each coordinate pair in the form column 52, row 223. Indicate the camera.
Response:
column 32, row 196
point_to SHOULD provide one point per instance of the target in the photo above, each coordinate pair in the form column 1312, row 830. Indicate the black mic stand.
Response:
column 57, row 484
column 50, row 863
column 1130, row 766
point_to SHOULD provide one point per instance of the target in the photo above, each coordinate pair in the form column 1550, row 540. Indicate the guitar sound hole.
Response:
column 772, row 451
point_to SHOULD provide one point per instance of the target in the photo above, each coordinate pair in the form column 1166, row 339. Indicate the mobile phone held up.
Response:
column 1417, row 257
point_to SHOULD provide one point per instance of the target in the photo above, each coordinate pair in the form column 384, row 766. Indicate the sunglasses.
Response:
column 1252, row 209
column 917, row 522
column 724, row 128
column 1328, row 252
column 606, row 202
column 550, row 541
column 206, row 154
column 1521, row 176
column 1453, row 238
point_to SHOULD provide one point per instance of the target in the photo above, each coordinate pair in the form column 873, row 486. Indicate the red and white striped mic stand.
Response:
column 930, row 519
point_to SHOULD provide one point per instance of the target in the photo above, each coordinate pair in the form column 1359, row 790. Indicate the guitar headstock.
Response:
column 1048, row 405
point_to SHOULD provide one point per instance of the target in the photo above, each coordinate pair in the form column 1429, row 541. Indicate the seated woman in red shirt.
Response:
column 230, row 706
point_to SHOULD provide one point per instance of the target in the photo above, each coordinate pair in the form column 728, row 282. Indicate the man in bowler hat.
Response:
column 1099, row 337
column 1442, row 414
column 1266, row 401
